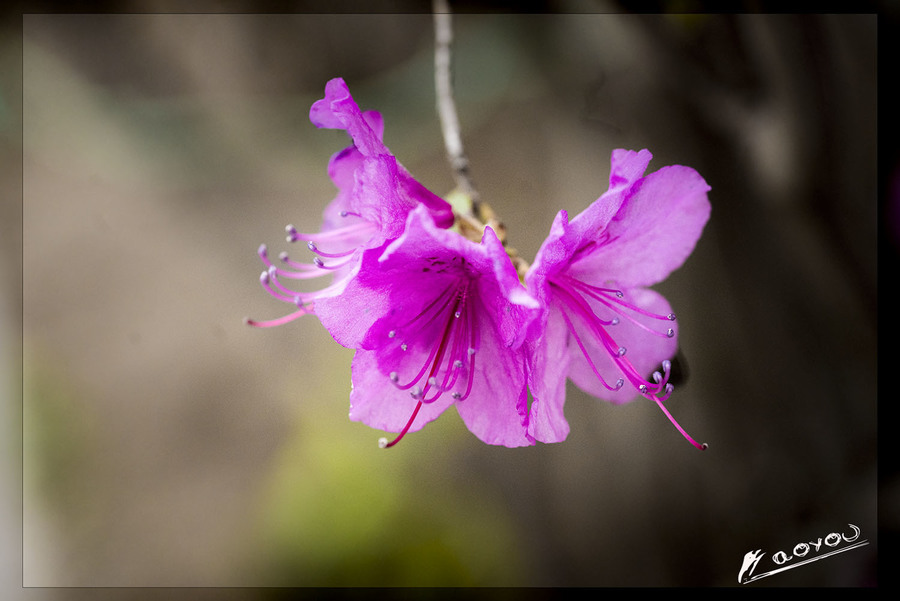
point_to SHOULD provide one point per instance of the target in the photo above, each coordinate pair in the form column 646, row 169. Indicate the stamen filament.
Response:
column 386, row 445
column 579, row 305
column 280, row 321
column 341, row 233
column 312, row 246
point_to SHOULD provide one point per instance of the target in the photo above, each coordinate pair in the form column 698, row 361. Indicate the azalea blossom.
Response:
column 437, row 320
column 375, row 195
column 599, row 324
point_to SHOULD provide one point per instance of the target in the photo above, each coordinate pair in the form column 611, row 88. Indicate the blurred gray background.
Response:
column 166, row 444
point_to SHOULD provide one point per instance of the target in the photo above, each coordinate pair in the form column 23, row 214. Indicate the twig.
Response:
column 446, row 106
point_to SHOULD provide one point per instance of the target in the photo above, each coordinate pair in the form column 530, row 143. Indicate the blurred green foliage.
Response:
column 340, row 512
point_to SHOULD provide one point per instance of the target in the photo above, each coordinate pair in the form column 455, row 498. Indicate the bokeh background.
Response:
column 166, row 444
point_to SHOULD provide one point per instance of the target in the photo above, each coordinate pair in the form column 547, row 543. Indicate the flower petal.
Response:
column 496, row 411
column 338, row 110
column 376, row 402
column 626, row 168
column 548, row 364
column 654, row 230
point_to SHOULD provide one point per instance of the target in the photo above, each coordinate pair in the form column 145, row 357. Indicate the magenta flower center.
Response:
column 446, row 332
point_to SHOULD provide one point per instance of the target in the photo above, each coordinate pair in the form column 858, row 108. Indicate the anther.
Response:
column 457, row 364
column 622, row 351
column 311, row 246
column 456, row 395
column 403, row 347
column 457, row 314
column 318, row 262
column 643, row 388
column 392, row 333
column 614, row 322
column 394, row 376
column 471, row 351
column 670, row 332
column 416, row 392
column 670, row 317
column 619, row 383
column 292, row 234
column 382, row 442
column 657, row 377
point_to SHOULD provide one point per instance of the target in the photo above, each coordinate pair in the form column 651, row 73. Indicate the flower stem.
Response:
column 446, row 105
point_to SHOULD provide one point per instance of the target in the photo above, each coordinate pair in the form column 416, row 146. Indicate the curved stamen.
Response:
column 384, row 444
column 436, row 355
column 651, row 391
column 331, row 266
column 608, row 297
column 312, row 246
column 361, row 230
column 304, row 271
column 306, row 310
column 265, row 278
column 584, row 351
column 700, row 446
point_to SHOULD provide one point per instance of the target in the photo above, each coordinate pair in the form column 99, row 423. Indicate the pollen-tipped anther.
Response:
column 292, row 234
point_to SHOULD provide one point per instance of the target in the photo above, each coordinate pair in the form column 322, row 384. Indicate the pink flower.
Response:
column 438, row 320
column 375, row 195
column 600, row 325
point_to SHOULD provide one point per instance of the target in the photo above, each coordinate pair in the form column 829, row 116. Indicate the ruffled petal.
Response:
column 626, row 168
column 338, row 110
column 653, row 232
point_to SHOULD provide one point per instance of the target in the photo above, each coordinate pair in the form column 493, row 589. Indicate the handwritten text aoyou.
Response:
column 802, row 549
column 802, row 553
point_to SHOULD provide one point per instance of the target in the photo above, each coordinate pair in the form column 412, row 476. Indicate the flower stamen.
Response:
column 660, row 389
